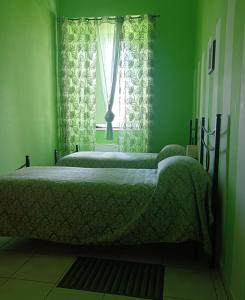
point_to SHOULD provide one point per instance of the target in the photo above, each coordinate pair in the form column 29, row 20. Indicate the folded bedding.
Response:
column 108, row 206
column 89, row 159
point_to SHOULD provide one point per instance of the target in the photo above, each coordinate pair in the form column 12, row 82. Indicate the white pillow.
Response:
column 171, row 150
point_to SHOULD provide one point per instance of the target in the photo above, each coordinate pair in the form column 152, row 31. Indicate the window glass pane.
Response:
column 106, row 38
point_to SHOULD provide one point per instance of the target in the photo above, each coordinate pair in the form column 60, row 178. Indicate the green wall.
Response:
column 174, row 63
column 27, row 82
column 223, row 92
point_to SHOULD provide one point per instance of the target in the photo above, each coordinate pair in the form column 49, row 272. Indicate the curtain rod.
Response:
column 109, row 18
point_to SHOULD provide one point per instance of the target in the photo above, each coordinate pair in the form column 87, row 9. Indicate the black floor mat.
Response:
column 115, row 277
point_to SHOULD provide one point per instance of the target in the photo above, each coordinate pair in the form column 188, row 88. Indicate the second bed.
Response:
column 93, row 159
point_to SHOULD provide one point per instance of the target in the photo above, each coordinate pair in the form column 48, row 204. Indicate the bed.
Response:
column 92, row 159
column 96, row 206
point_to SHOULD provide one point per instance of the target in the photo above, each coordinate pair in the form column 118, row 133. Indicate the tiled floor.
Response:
column 30, row 269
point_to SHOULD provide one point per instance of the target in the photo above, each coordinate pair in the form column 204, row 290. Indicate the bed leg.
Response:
column 56, row 155
column 28, row 161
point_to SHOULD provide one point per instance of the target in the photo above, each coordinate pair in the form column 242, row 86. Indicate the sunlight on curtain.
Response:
column 77, row 103
column 135, row 83
column 108, row 47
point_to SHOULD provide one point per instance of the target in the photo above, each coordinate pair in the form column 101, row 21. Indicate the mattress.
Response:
column 89, row 159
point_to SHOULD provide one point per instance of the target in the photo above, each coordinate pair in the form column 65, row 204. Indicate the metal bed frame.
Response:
column 27, row 163
column 206, row 148
column 57, row 155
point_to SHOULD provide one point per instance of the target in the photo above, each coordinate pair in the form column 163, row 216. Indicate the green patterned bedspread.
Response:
column 108, row 206
column 93, row 159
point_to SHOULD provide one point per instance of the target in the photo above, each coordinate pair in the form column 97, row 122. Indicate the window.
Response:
column 129, row 36
column 108, row 33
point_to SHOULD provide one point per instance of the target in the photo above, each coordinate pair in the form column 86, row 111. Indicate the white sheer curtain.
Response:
column 108, row 47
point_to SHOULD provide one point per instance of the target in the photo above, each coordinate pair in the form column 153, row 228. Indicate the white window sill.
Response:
column 103, row 128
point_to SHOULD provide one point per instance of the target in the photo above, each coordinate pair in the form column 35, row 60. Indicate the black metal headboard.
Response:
column 205, row 147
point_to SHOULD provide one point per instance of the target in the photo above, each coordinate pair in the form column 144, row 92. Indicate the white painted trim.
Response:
column 207, row 84
column 202, row 85
column 229, row 37
column 216, row 72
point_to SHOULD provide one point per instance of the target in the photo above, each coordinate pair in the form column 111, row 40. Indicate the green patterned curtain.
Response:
column 135, row 83
column 77, row 103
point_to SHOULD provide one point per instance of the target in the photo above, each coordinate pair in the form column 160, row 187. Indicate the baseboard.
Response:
column 225, row 281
